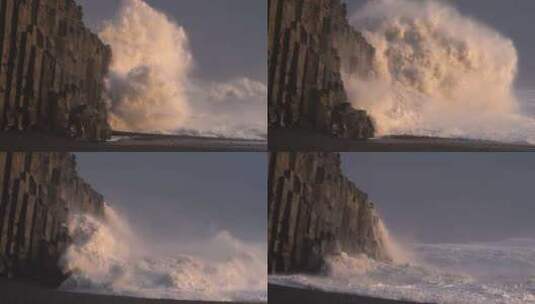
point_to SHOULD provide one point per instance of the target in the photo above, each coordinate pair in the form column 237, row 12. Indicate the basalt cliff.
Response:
column 310, row 44
column 38, row 192
column 52, row 70
column 315, row 211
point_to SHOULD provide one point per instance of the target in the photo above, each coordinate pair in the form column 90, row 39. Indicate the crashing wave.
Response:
column 105, row 257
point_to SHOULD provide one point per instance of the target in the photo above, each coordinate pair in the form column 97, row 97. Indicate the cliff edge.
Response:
column 38, row 192
column 52, row 70
column 310, row 43
column 315, row 211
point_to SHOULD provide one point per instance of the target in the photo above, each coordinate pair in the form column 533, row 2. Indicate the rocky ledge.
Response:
column 315, row 211
column 310, row 44
column 52, row 70
column 38, row 191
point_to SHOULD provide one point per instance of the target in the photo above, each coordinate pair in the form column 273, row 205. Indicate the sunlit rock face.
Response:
column 52, row 70
column 310, row 45
column 315, row 211
column 38, row 193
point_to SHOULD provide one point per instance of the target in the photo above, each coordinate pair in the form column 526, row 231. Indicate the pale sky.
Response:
column 180, row 197
column 449, row 197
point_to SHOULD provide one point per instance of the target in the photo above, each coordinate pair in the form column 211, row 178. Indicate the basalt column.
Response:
column 315, row 211
column 52, row 70
column 37, row 193
column 310, row 44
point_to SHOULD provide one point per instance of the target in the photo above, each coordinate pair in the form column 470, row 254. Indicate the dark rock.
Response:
column 38, row 191
column 4, row 267
column 310, row 44
column 50, row 64
column 315, row 211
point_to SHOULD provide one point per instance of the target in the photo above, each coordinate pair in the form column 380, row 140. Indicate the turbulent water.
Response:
column 438, row 73
column 477, row 273
column 107, row 258
column 151, row 87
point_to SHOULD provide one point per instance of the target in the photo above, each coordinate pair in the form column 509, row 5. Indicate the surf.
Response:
column 469, row 273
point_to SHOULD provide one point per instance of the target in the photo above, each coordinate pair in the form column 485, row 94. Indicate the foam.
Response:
column 438, row 73
column 106, row 257
column 477, row 273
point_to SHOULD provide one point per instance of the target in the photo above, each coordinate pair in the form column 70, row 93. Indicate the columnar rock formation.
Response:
column 315, row 211
column 38, row 191
column 310, row 43
column 52, row 70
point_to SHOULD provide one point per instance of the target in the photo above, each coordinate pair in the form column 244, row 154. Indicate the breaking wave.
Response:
column 151, row 88
column 477, row 273
column 107, row 258
column 438, row 73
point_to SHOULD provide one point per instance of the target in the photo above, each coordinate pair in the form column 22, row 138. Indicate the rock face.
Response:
column 310, row 44
column 315, row 211
column 38, row 191
column 52, row 70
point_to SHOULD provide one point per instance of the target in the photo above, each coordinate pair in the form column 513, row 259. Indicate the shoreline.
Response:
column 289, row 139
column 190, row 136
column 128, row 142
column 29, row 292
column 279, row 294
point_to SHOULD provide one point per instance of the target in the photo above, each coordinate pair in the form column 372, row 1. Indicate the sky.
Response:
column 228, row 37
column 512, row 18
column 183, row 197
column 449, row 197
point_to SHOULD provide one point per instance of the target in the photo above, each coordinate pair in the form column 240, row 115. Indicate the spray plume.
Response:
column 438, row 73
column 151, row 61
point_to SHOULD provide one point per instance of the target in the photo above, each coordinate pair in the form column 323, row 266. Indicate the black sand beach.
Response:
column 305, row 140
column 289, row 295
column 17, row 292
column 128, row 142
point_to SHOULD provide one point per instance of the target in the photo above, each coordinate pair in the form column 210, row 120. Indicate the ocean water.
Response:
column 478, row 273
column 108, row 257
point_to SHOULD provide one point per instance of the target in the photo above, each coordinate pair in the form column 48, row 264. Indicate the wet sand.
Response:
column 289, row 295
column 305, row 140
column 17, row 292
column 128, row 142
